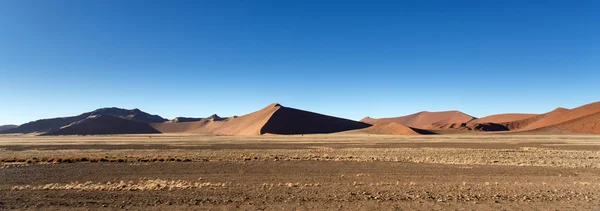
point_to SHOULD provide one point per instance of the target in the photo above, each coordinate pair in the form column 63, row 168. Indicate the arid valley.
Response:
column 310, row 172
column 299, row 105
column 281, row 158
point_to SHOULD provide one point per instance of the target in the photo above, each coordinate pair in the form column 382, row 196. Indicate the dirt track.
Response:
column 301, row 172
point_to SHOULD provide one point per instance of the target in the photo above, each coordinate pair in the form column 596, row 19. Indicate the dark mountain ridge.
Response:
column 46, row 125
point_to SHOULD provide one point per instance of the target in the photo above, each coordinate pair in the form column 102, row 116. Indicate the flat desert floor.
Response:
column 316, row 172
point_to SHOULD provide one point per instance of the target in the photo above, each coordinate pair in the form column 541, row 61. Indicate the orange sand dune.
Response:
column 425, row 119
column 589, row 124
column 561, row 115
column 390, row 128
column 520, row 124
column 500, row 118
column 105, row 124
column 273, row 119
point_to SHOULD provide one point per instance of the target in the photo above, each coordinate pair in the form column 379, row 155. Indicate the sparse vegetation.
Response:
column 325, row 171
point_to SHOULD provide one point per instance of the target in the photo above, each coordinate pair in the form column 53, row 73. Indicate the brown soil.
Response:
column 315, row 172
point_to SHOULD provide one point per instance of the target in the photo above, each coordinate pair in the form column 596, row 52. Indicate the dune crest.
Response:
column 273, row 119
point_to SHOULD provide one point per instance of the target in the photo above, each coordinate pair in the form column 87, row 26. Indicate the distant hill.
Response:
column 214, row 117
column 46, row 125
column 6, row 127
column 103, row 125
column 273, row 119
column 281, row 120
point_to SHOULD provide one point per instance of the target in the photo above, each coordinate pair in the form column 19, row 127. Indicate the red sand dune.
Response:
column 554, row 117
column 425, row 119
column 273, row 119
column 520, row 124
column 589, row 124
column 561, row 115
column 390, row 128
column 105, row 124
column 500, row 118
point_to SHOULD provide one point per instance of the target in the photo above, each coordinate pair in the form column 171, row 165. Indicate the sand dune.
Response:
column 104, row 124
column 561, row 115
column 554, row 117
column 498, row 122
column 425, row 119
column 293, row 121
column 589, row 124
column 500, row 118
column 277, row 119
column 273, row 119
column 390, row 128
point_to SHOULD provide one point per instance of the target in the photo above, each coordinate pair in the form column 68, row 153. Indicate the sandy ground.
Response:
column 331, row 172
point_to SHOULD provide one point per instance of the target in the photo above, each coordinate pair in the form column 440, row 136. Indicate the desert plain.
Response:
column 342, row 171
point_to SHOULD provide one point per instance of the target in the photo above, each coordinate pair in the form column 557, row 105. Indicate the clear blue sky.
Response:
column 343, row 58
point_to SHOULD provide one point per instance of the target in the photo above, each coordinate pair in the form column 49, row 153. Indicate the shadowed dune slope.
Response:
column 105, row 124
column 293, row 121
column 273, row 119
column 425, row 119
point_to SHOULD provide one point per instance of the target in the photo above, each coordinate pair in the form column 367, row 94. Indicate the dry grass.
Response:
column 141, row 185
column 526, row 156
column 537, row 150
